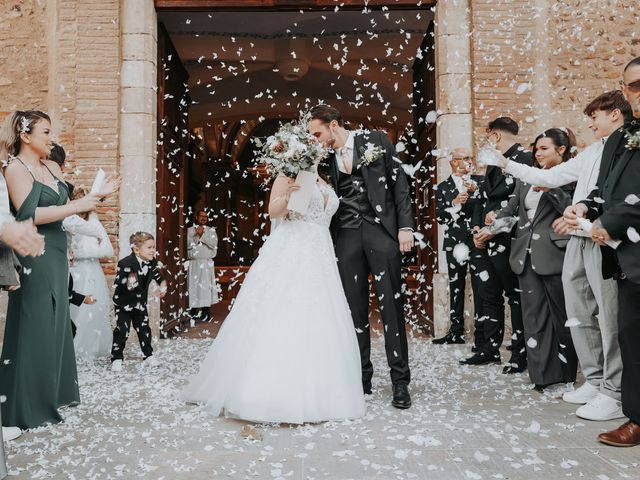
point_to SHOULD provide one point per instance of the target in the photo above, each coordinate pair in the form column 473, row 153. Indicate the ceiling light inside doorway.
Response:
column 292, row 69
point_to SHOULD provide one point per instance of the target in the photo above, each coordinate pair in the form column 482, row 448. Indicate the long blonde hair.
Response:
column 18, row 122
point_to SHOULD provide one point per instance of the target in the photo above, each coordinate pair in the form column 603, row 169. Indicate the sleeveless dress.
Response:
column 38, row 366
column 287, row 352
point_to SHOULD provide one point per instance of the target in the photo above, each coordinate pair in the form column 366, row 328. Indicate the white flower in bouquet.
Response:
column 291, row 149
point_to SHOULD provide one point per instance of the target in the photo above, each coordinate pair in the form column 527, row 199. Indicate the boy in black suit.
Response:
column 135, row 273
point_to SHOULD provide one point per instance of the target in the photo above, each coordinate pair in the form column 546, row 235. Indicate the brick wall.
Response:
column 23, row 55
column 592, row 41
column 63, row 56
column 503, row 59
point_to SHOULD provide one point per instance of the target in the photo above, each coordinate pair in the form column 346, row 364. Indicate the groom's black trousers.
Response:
column 365, row 250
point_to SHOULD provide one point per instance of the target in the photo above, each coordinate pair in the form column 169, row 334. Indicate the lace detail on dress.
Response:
column 318, row 212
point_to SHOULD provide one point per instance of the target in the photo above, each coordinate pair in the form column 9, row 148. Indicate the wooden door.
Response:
column 424, row 95
column 172, row 166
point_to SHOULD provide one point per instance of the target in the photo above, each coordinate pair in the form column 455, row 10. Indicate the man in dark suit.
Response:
column 371, row 230
column 495, row 192
column 614, row 208
column 455, row 199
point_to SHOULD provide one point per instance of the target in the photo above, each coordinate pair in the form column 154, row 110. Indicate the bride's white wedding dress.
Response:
column 287, row 352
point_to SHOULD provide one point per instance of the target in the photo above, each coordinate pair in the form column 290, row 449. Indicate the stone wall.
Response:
column 23, row 55
column 63, row 57
column 542, row 61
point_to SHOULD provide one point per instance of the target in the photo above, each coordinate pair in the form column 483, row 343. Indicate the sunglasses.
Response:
column 632, row 87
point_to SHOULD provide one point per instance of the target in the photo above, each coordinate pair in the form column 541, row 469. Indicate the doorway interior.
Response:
column 228, row 75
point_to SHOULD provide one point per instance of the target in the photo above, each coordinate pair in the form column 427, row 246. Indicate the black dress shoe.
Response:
column 449, row 338
column 401, row 397
column 515, row 366
column 475, row 349
column 481, row 359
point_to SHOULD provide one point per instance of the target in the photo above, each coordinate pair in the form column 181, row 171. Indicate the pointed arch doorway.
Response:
column 228, row 70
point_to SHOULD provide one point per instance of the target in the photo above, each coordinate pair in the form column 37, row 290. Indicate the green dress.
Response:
column 38, row 365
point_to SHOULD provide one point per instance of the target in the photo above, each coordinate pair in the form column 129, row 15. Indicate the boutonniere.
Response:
column 633, row 140
column 370, row 154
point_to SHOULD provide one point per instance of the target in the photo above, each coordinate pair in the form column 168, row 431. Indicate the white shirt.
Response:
column 459, row 181
column 531, row 201
column 583, row 168
column 346, row 151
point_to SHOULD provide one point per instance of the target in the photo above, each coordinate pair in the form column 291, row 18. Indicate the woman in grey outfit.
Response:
column 537, row 255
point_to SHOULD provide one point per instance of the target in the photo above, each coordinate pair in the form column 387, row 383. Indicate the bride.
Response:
column 287, row 352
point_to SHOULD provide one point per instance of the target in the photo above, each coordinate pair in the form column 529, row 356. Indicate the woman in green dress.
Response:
column 37, row 366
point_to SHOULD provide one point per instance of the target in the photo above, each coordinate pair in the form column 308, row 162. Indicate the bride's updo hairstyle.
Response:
column 15, row 124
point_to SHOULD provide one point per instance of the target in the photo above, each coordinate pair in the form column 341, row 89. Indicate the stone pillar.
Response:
column 454, row 124
column 138, row 83
column 138, row 113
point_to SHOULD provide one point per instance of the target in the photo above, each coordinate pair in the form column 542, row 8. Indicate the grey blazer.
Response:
column 537, row 237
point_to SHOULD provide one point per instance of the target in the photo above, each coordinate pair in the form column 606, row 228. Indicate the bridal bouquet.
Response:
column 290, row 150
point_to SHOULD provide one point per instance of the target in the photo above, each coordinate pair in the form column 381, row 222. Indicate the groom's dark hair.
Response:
column 326, row 114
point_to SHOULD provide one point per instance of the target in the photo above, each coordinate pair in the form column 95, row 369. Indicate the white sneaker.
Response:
column 601, row 408
column 558, row 390
column 10, row 433
column 116, row 366
column 150, row 361
column 584, row 394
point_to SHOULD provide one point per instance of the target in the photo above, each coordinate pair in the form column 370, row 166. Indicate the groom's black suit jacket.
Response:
column 386, row 184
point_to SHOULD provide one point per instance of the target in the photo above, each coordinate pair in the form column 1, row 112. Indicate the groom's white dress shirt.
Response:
column 583, row 168
column 344, row 154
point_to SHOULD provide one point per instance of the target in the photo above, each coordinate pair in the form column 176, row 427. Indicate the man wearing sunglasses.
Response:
column 614, row 208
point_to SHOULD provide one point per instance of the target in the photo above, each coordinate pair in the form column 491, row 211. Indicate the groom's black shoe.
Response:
column 401, row 397
column 481, row 358
column 449, row 338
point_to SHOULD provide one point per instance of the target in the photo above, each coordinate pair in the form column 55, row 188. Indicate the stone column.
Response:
column 138, row 84
column 138, row 113
column 454, row 124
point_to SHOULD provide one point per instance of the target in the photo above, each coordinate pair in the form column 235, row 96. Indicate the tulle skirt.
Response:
column 287, row 352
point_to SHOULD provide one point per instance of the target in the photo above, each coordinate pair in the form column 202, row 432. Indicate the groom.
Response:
column 371, row 230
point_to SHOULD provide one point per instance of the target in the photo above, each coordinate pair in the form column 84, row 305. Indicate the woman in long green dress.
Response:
column 37, row 367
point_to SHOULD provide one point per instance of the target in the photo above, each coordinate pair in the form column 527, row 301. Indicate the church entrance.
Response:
column 231, row 71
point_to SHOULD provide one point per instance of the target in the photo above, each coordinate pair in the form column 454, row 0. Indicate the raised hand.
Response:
column 110, row 186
